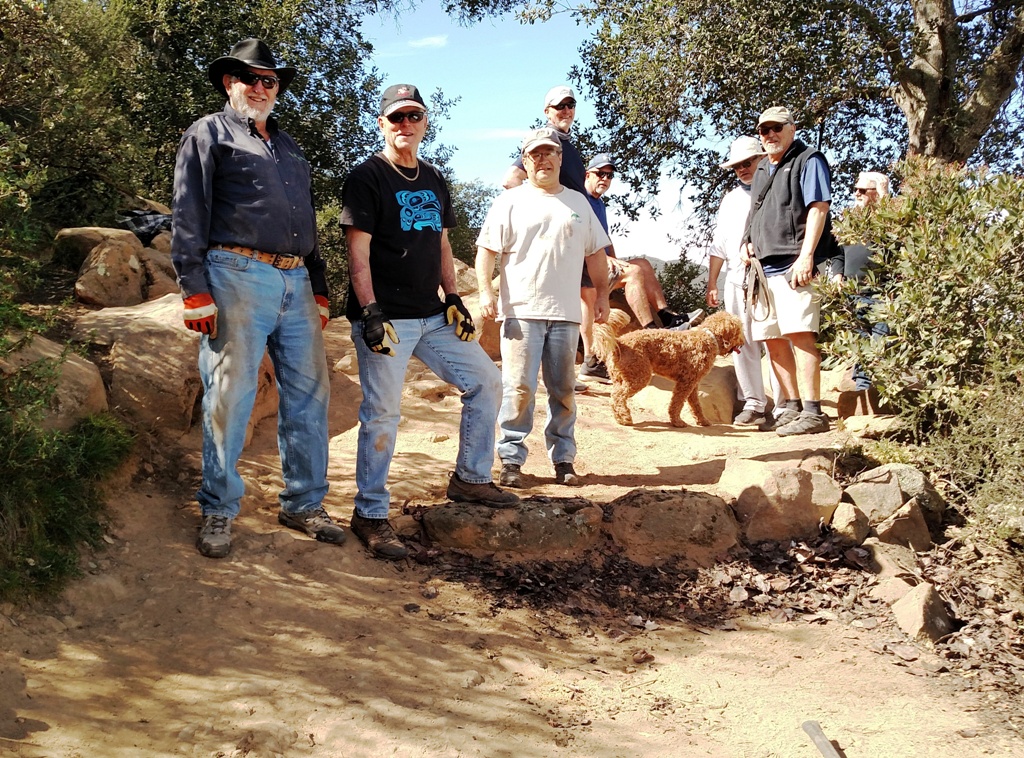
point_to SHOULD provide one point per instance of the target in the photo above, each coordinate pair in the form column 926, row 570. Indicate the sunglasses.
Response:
column 249, row 79
column 863, row 190
column 764, row 129
column 563, row 106
column 414, row 117
column 605, row 174
column 747, row 163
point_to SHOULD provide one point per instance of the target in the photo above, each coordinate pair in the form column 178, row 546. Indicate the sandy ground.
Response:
column 293, row 648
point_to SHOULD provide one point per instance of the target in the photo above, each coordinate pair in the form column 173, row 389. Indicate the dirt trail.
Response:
column 294, row 648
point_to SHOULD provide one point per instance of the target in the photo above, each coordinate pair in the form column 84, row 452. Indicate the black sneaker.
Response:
column 315, row 522
column 214, row 540
column 805, row 423
column 379, row 537
column 484, row 493
column 776, row 421
column 748, row 417
column 566, row 474
column 511, row 475
column 594, row 370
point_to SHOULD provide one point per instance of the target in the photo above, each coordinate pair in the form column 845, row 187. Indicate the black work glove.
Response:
column 458, row 314
column 377, row 330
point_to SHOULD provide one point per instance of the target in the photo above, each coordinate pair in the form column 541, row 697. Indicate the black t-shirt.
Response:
column 405, row 211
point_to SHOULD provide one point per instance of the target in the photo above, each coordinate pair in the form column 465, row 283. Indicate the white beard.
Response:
column 241, row 104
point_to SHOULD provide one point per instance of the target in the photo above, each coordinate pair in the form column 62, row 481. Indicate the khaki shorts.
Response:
column 793, row 310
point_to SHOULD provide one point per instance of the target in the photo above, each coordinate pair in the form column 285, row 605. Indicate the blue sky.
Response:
column 501, row 70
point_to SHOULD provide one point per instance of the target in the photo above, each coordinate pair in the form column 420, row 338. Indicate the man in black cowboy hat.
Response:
column 245, row 249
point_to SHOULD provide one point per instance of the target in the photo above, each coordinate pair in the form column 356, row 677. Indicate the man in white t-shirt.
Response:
column 544, row 233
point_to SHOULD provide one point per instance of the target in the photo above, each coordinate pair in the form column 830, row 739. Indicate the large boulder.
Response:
column 79, row 391
column 653, row 526
column 877, row 493
column 161, row 278
column 549, row 530
column 779, row 502
column 906, row 527
column 112, row 275
column 154, row 364
column 72, row 246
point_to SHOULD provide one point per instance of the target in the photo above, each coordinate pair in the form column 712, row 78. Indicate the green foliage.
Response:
column 50, row 502
column 676, row 80
column 981, row 458
column 949, row 283
column 472, row 201
column 680, row 280
column 334, row 251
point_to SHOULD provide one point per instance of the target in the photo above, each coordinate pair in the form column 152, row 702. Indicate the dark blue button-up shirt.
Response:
column 233, row 188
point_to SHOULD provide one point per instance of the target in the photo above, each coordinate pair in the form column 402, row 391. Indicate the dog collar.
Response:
column 715, row 336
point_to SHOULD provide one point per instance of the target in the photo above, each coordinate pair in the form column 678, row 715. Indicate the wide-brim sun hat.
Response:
column 742, row 149
column 249, row 53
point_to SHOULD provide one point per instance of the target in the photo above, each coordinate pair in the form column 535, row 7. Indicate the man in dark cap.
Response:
column 245, row 249
column 396, row 210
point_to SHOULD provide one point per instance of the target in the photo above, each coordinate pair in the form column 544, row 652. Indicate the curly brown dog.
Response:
column 685, row 357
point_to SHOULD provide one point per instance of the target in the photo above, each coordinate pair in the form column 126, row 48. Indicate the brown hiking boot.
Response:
column 484, row 493
column 315, row 522
column 214, row 540
column 566, row 474
column 511, row 475
column 379, row 537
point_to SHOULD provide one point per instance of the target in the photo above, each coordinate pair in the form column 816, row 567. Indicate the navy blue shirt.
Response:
column 233, row 188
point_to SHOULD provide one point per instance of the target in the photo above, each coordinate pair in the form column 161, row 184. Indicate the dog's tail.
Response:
column 606, row 347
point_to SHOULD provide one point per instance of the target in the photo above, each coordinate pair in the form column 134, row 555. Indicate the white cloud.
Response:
column 438, row 40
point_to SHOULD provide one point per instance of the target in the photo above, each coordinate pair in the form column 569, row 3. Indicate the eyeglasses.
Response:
column 747, row 163
column 538, row 155
column 563, row 106
column 863, row 190
column 249, row 79
column 605, row 174
column 414, row 117
column 764, row 129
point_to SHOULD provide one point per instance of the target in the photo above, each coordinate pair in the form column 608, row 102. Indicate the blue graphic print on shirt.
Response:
column 419, row 210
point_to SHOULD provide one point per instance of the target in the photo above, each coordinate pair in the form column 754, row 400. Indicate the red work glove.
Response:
column 324, row 305
column 201, row 314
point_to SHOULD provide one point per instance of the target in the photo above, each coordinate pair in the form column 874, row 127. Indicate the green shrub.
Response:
column 684, row 290
column 949, row 283
column 50, row 503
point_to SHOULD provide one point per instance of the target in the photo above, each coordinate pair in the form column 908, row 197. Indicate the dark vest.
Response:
column 778, row 226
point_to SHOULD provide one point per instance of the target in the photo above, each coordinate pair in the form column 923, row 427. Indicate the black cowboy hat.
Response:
column 249, row 53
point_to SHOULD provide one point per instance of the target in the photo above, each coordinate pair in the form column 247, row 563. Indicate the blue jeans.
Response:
column 464, row 365
column 262, row 308
column 877, row 330
column 527, row 347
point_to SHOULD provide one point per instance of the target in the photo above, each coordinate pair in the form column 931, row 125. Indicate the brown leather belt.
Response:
column 285, row 262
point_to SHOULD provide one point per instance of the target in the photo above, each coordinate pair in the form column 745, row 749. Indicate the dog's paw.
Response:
column 623, row 419
column 704, row 422
column 679, row 423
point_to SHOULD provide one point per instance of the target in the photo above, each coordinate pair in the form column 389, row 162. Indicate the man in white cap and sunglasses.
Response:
column 789, row 230
column 745, row 153
column 244, row 246
column 396, row 211
column 544, row 234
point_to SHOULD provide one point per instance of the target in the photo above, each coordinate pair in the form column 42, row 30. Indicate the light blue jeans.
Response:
column 464, row 365
column 262, row 308
column 528, row 347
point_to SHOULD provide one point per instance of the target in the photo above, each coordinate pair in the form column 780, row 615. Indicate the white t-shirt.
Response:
column 543, row 240
column 731, row 223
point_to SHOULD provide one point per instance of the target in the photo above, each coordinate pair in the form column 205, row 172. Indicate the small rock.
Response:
column 906, row 527
column 642, row 656
column 472, row 679
column 922, row 614
column 439, row 437
column 850, row 523
column 411, row 608
column 429, row 592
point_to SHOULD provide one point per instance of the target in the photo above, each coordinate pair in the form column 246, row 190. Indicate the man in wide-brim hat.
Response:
column 245, row 248
column 745, row 153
